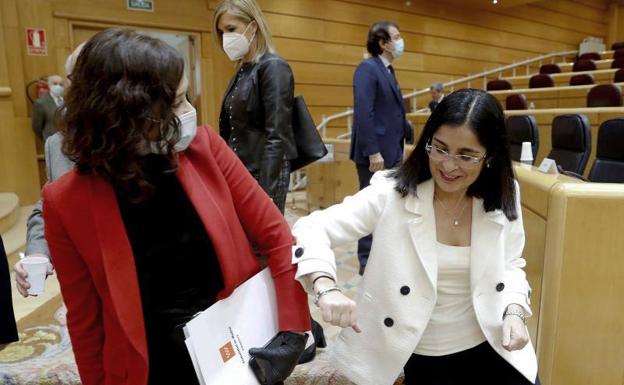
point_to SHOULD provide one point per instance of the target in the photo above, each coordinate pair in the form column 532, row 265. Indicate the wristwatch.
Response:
column 518, row 313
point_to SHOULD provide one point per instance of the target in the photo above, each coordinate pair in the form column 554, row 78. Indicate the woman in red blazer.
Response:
column 156, row 222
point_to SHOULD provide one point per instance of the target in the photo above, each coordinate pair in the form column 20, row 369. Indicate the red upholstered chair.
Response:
column 498, row 84
column 618, row 45
column 589, row 56
column 541, row 81
column 550, row 69
column 584, row 65
column 605, row 95
column 582, row 79
column 618, row 63
column 619, row 76
column 618, row 53
column 516, row 102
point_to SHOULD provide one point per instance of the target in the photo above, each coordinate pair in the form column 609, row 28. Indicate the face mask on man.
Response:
column 188, row 130
column 56, row 90
column 399, row 48
column 236, row 45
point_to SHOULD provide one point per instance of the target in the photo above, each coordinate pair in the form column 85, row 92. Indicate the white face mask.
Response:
column 399, row 48
column 236, row 45
column 188, row 130
column 56, row 90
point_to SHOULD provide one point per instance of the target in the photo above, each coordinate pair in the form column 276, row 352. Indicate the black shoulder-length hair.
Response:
column 481, row 112
column 122, row 98
column 379, row 31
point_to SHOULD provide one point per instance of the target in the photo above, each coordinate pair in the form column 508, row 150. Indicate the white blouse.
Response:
column 453, row 326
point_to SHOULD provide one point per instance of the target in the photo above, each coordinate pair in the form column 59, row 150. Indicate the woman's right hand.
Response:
column 336, row 308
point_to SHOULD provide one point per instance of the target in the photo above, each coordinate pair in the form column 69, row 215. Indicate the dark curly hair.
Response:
column 120, row 100
column 481, row 112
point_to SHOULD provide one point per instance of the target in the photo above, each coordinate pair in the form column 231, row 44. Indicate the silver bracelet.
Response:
column 519, row 314
column 321, row 293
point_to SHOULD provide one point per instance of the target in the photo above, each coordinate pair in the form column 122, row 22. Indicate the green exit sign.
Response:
column 141, row 5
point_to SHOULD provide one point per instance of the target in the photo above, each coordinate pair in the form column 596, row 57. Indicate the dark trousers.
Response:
column 479, row 365
column 282, row 186
column 8, row 330
column 364, row 244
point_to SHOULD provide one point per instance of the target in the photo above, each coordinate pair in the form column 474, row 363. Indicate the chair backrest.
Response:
column 584, row 65
column 516, row 102
column 498, row 84
column 582, row 79
column 609, row 164
column 522, row 128
column 618, row 53
column 571, row 142
column 619, row 76
column 618, row 45
column 590, row 56
column 605, row 95
column 541, row 81
column 550, row 69
column 618, row 63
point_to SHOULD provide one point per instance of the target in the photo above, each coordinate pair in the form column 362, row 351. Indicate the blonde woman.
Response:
column 256, row 114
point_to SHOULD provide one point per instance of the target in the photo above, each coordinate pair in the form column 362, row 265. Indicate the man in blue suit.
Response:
column 379, row 126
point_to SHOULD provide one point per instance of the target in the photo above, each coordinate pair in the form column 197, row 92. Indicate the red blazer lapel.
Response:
column 211, row 211
column 118, row 262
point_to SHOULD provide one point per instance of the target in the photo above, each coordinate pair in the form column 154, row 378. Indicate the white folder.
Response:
column 219, row 338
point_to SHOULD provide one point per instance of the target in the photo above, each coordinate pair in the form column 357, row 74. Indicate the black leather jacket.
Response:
column 256, row 118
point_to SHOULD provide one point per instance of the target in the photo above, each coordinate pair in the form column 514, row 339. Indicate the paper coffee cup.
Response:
column 36, row 267
column 526, row 156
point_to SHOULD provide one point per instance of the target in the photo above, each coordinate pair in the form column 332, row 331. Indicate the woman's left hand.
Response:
column 515, row 334
column 276, row 361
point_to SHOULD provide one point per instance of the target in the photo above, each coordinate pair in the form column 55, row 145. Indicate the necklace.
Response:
column 455, row 219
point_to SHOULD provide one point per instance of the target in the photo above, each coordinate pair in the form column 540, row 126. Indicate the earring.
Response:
column 487, row 164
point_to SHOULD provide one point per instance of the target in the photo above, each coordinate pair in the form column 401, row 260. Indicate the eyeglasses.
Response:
column 463, row 161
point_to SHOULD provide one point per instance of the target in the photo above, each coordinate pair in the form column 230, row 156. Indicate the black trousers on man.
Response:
column 364, row 244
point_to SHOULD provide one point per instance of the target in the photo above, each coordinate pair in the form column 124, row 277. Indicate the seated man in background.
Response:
column 437, row 94
column 45, row 108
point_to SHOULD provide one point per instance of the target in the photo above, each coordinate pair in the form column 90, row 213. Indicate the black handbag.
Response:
column 310, row 146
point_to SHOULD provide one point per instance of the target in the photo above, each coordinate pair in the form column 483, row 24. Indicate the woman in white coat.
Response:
column 444, row 296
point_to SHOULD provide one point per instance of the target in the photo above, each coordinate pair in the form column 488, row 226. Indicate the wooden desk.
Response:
column 580, row 336
column 535, row 190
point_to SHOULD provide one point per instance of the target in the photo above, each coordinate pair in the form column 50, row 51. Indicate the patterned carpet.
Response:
column 43, row 356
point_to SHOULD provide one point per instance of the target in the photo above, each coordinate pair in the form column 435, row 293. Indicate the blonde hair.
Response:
column 247, row 11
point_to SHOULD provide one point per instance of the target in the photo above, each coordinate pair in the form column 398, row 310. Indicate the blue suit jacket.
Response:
column 379, row 123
